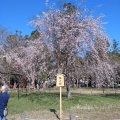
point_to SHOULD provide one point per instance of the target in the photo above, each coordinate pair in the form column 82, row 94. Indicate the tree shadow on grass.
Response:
column 41, row 97
column 112, row 95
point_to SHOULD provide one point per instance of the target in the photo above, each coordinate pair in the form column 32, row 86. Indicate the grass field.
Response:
column 85, row 104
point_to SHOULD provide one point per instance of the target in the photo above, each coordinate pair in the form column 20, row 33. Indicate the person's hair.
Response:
column 5, row 88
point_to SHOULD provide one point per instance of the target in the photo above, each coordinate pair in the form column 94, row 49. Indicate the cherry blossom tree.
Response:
column 30, row 59
column 71, row 34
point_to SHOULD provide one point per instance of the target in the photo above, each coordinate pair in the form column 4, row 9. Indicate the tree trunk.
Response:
column 103, row 89
column 77, row 83
column 28, row 87
column 68, row 90
column 87, row 82
column 14, row 86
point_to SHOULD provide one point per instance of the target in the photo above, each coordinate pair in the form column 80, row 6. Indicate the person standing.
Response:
column 4, row 97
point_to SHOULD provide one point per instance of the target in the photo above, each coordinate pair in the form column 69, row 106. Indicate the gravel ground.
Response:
column 37, row 115
column 83, row 115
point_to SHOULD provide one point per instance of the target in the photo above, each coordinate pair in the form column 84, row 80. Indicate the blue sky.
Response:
column 15, row 14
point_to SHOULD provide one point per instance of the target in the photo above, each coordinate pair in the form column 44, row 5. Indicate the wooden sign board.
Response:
column 60, row 80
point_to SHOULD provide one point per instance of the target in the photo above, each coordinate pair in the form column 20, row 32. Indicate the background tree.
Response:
column 115, row 47
column 35, row 34
column 3, row 34
column 114, row 55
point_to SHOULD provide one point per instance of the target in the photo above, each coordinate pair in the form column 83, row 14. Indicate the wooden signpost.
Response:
column 60, row 83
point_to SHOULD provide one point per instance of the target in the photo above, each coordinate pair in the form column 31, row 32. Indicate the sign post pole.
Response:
column 60, row 103
column 60, row 83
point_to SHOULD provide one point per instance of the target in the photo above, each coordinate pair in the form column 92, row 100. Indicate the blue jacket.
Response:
column 4, row 97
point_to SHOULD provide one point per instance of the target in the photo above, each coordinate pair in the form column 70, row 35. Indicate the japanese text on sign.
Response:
column 60, row 80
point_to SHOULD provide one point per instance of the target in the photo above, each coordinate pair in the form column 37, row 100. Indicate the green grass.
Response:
column 50, row 100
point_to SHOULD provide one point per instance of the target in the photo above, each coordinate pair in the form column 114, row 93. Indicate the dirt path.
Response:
column 83, row 115
column 37, row 115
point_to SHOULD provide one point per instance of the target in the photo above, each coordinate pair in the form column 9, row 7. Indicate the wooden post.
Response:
column 60, row 83
column 60, row 103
